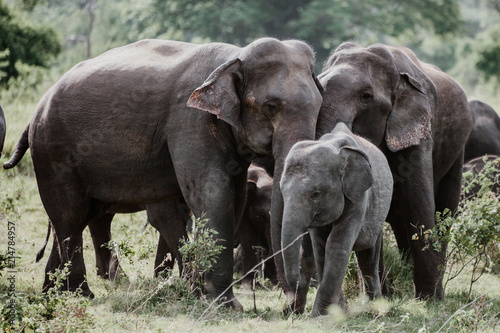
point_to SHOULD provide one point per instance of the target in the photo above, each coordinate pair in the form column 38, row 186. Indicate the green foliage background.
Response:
column 462, row 37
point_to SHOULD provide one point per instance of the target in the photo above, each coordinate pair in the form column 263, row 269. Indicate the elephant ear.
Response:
column 218, row 95
column 410, row 119
column 358, row 175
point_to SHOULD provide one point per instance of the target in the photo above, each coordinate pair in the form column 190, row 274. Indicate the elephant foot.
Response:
column 436, row 294
column 228, row 300
column 81, row 288
column 234, row 304
column 296, row 303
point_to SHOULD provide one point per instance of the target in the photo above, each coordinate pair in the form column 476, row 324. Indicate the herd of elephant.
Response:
column 176, row 128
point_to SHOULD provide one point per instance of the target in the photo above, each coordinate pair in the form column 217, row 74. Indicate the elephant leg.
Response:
column 447, row 196
column 68, row 219
column 219, row 208
column 412, row 213
column 163, row 262
column 307, row 264
column 368, row 261
column 167, row 218
column 108, row 266
column 381, row 269
column 336, row 257
column 270, row 271
column 248, row 239
column 319, row 237
column 400, row 230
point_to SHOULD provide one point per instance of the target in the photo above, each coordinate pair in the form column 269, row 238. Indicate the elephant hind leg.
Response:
column 107, row 263
column 170, row 220
column 69, row 213
column 163, row 262
column 368, row 261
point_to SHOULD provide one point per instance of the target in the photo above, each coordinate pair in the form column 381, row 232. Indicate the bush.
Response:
column 199, row 252
column 473, row 232
column 53, row 311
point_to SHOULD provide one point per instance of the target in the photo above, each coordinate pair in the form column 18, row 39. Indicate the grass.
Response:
column 141, row 303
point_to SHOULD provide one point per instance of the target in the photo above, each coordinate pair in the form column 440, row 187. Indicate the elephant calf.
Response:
column 253, row 231
column 340, row 188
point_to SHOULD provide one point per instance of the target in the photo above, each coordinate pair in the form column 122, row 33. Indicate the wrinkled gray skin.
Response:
column 485, row 135
column 339, row 188
column 254, row 229
column 159, row 120
column 419, row 117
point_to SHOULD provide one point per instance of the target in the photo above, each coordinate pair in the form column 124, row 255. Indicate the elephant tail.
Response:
column 21, row 148
column 40, row 253
column 3, row 129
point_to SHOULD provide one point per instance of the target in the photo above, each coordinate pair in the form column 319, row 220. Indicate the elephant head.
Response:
column 316, row 189
column 380, row 93
column 268, row 94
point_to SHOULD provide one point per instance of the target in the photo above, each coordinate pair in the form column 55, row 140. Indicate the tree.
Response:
column 323, row 23
column 489, row 54
column 23, row 42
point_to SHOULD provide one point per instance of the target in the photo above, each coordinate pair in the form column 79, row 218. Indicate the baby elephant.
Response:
column 340, row 188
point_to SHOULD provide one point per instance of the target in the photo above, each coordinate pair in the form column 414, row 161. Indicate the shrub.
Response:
column 472, row 232
column 199, row 252
column 53, row 311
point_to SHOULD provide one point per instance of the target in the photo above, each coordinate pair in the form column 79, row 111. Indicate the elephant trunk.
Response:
column 281, row 147
column 294, row 224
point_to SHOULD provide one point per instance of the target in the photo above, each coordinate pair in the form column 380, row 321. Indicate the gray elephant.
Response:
column 485, row 135
column 339, row 188
column 419, row 117
column 158, row 120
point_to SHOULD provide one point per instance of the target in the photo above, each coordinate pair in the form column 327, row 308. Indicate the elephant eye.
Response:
column 270, row 108
column 315, row 195
column 367, row 96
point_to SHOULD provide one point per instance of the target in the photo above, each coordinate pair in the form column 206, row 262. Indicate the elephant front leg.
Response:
column 336, row 257
column 248, row 239
column 214, row 198
column 411, row 214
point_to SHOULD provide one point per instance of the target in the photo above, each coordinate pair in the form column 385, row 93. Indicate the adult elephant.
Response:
column 485, row 135
column 419, row 117
column 156, row 120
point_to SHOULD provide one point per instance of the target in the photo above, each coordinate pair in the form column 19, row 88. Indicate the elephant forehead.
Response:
column 314, row 161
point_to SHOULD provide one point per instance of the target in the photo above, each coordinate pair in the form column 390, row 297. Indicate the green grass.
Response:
column 143, row 304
